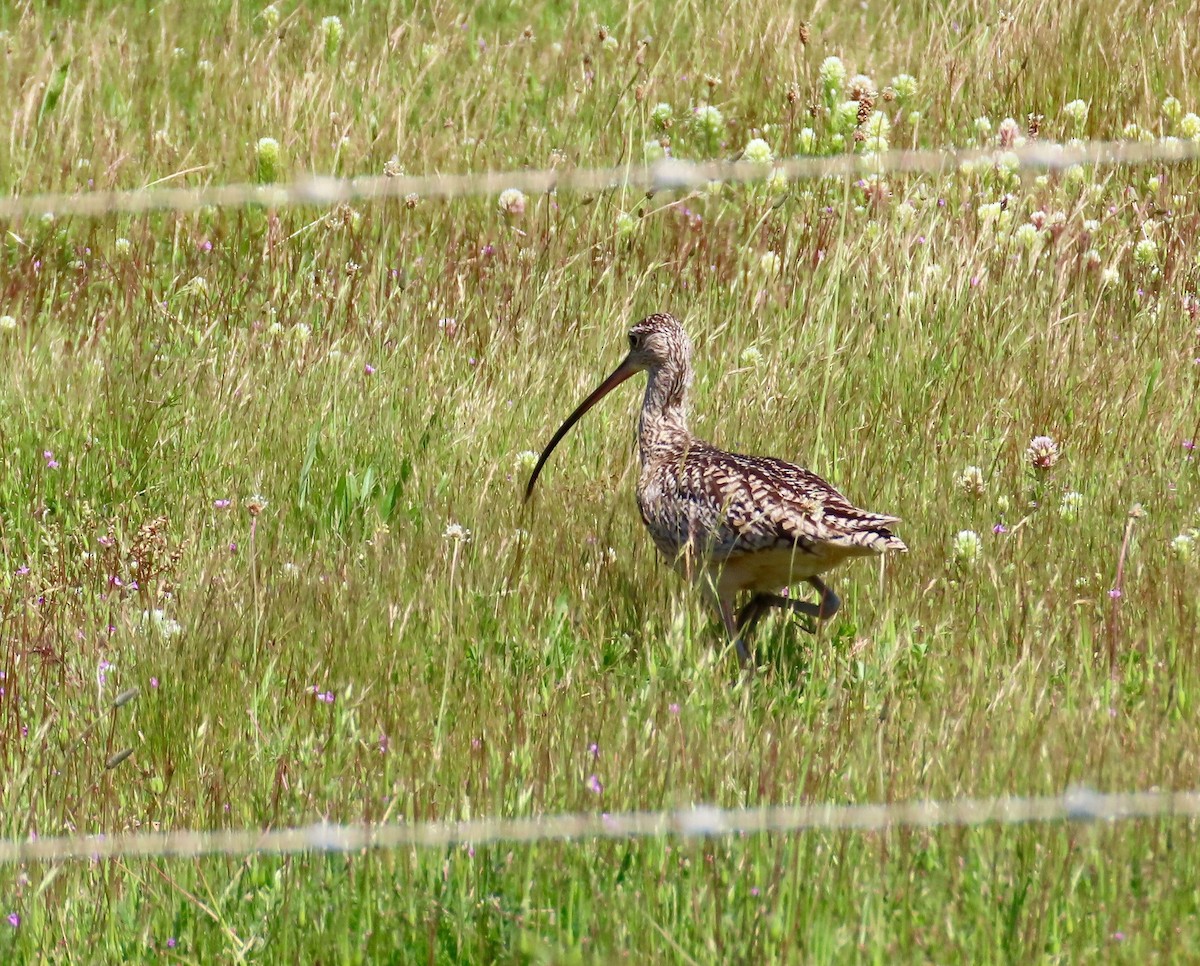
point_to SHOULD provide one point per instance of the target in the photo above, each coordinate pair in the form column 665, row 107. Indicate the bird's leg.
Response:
column 759, row 604
column 732, row 629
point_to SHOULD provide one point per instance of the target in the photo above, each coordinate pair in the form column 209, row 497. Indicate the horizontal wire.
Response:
column 1075, row 805
column 667, row 174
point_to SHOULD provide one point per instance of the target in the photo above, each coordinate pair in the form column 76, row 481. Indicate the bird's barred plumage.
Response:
column 740, row 523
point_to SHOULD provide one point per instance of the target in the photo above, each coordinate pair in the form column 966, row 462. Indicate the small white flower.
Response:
column 1028, row 235
column 1189, row 126
column 970, row 481
column 122, row 246
column 653, row 151
column 905, row 86
column 1110, row 276
column 1077, row 112
column 757, row 151
column 1172, row 108
column 626, row 223
column 456, row 533
column 301, row 333
column 806, row 140
column 526, row 460
column 770, row 264
column 833, row 74
column 750, row 356
column 662, row 115
column 1145, row 253
column 7, row 323
column 157, row 620
column 1070, row 505
column 512, row 201
column 1183, row 547
column 967, row 548
column 983, row 126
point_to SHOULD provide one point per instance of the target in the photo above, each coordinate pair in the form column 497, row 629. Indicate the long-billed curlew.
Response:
column 735, row 523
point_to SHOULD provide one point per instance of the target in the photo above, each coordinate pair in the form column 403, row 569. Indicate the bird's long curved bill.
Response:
column 620, row 374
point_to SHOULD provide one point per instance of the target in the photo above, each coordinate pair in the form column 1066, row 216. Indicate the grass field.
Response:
column 266, row 466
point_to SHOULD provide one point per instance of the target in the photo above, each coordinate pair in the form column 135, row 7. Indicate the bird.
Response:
column 732, row 523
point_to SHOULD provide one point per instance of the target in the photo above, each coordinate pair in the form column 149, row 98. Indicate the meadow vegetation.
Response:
column 265, row 466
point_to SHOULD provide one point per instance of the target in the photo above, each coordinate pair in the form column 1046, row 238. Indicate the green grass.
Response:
column 905, row 337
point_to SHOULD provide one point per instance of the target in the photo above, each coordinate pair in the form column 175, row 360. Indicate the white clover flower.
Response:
column 626, row 224
column 1077, row 112
column 750, row 357
column 905, row 213
column 270, row 16
column 1091, row 226
column 905, row 86
column 859, row 83
column 1172, row 108
column 300, row 333
column 1074, row 175
column 757, row 151
column 1145, row 252
column 1028, row 235
column 1070, row 505
column 1009, row 134
column 983, row 126
column 122, row 246
column 662, row 115
column 806, row 140
column 777, row 180
column 874, row 146
column 1133, row 132
column 845, row 116
column 989, row 213
column 970, row 481
column 331, row 35
column 967, row 548
column 1091, row 257
column 526, row 460
column 1008, row 165
column 512, row 201
column 878, row 125
column 770, row 264
column 456, row 533
column 1110, row 276
column 266, row 158
column 275, row 329
column 653, row 151
column 1189, row 127
column 833, row 74
column 708, row 120
column 156, row 620
column 1183, row 547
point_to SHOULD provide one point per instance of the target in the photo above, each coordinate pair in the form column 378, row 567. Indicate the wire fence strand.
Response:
column 1074, row 805
column 667, row 174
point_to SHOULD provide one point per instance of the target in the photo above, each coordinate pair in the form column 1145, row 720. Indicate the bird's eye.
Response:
column 634, row 341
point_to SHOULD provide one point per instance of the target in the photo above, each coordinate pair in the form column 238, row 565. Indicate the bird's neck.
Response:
column 663, row 423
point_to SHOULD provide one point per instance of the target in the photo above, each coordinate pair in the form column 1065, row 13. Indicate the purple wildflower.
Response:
column 369, row 369
column 221, row 504
column 14, row 920
column 999, row 528
column 593, row 784
column 1115, row 593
